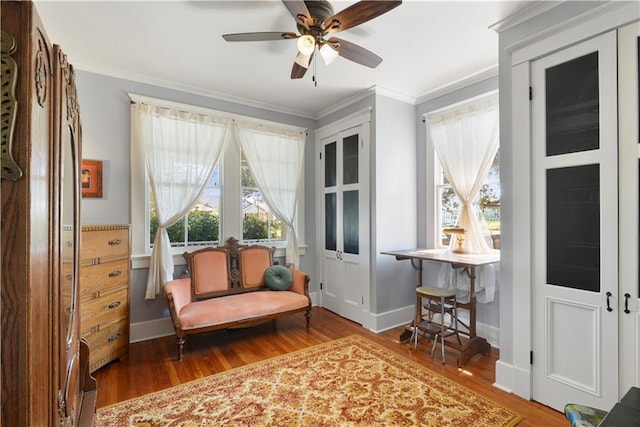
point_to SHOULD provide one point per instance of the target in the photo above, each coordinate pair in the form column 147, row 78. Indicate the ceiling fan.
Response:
column 315, row 21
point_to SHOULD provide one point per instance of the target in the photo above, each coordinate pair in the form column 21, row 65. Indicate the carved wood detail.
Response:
column 10, row 169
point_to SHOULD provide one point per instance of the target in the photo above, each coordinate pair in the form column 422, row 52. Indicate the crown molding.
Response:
column 165, row 84
column 534, row 9
column 458, row 84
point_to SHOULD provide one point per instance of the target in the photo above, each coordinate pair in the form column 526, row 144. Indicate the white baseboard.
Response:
column 513, row 379
column 157, row 328
column 504, row 376
column 384, row 321
column 522, row 382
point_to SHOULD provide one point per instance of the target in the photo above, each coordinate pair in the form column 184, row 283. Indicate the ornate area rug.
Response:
column 351, row 381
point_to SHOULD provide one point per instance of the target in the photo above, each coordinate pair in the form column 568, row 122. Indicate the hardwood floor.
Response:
column 151, row 365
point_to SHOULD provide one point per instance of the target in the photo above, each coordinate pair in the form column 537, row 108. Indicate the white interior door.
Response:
column 575, row 225
column 629, row 296
column 344, row 165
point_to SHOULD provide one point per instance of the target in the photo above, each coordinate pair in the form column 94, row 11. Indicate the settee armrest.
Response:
column 300, row 283
column 178, row 293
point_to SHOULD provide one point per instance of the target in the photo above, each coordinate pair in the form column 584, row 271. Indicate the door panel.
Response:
column 569, row 364
column 575, row 231
column 344, row 263
column 331, row 290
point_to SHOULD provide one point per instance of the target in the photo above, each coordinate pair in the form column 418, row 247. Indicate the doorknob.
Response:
column 608, row 304
column 626, row 303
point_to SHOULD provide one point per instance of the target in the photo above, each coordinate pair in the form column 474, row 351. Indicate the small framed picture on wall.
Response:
column 91, row 178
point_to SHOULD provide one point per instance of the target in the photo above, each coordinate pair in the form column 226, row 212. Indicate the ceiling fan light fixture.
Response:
column 306, row 44
column 303, row 60
column 328, row 53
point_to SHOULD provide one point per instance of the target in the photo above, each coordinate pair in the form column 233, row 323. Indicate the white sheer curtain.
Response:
column 181, row 150
column 276, row 158
column 465, row 139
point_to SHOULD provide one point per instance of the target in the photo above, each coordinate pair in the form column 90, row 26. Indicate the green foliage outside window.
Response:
column 203, row 227
column 254, row 228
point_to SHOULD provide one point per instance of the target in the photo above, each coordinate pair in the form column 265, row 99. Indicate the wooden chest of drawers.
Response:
column 104, row 292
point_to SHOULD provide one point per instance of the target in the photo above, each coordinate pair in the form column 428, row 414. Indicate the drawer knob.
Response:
column 115, row 273
column 113, row 305
column 114, row 337
column 115, row 242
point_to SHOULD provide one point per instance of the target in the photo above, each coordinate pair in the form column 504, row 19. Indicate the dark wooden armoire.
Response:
column 44, row 364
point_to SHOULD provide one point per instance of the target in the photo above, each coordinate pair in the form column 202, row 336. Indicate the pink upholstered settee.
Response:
column 227, row 290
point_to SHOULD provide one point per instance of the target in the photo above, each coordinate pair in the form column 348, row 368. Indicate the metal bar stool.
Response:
column 439, row 301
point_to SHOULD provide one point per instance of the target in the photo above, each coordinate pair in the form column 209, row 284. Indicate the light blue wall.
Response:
column 106, row 136
column 393, row 201
column 106, row 127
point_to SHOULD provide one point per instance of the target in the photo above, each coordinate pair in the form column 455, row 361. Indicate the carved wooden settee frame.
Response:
column 226, row 290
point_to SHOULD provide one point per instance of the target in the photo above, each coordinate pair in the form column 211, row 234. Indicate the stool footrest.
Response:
column 435, row 329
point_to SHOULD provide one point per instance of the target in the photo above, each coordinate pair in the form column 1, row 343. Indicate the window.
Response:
column 259, row 224
column 201, row 226
column 488, row 201
column 462, row 139
column 230, row 205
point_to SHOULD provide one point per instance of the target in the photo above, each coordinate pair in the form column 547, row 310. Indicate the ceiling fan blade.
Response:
column 355, row 53
column 298, row 71
column 257, row 37
column 357, row 14
column 299, row 10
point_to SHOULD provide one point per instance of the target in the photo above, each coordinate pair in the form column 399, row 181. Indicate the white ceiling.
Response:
column 426, row 45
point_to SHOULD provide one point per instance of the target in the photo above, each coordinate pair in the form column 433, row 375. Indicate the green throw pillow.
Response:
column 278, row 278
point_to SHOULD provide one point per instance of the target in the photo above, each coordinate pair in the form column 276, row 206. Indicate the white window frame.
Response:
column 231, row 193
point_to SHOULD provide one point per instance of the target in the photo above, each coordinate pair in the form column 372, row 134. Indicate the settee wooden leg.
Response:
column 180, row 343
column 307, row 314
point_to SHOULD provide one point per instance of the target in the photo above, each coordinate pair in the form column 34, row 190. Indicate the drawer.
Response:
column 104, row 278
column 100, row 311
column 104, row 244
column 108, row 344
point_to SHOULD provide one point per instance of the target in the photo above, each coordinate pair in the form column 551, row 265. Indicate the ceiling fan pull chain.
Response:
column 315, row 81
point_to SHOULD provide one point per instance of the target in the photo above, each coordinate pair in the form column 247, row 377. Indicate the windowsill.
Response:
column 141, row 261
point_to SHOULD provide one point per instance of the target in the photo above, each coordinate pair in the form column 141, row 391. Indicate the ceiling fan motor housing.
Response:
column 320, row 11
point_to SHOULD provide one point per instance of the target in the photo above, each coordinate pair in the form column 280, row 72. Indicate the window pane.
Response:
column 330, row 165
column 573, row 106
column 258, row 222
column 331, row 223
column 488, row 201
column 202, row 224
column 449, row 208
column 573, row 227
column 350, row 159
column 350, row 223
